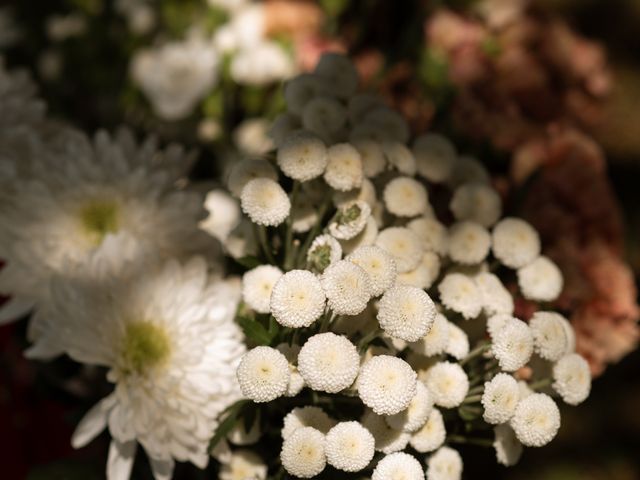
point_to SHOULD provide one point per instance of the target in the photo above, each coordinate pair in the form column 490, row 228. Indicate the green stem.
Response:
column 326, row 321
column 472, row 399
column 313, row 233
column 481, row 442
column 540, row 384
column 476, row 352
column 368, row 338
column 289, row 251
column 475, row 390
column 261, row 233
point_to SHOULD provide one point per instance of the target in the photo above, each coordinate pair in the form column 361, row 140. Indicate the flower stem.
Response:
column 368, row 338
column 472, row 399
column 540, row 384
column 476, row 352
column 289, row 251
column 481, row 442
column 261, row 233
column 314, row 232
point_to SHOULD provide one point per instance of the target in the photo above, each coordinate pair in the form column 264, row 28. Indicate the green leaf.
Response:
column 254, row 330
column 228, row 423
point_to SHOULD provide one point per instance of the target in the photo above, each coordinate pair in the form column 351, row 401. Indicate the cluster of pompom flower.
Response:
column 383, row 263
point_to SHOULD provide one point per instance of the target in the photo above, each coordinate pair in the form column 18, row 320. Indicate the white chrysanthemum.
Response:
column 406, row 312
column 296, row 382
column 243, row 465
column 368, row 236
column 515, row 242
column 302, row 156
column 459, row 293
column 350, row 220
column 260, row 64
column 328, row 362
column 435, row 157
column 405, row 197
column 469, row 243
column 339, row 73
column 297, row 299
column 387, row 439
column 536, row 420
column 366, row 193
column 372, row 156
column 224, row 214
column 436, row 339
column 572, row 378
column 432, row 234
column 468, row 169
column 263, row 374
column 379, row 266
column 424, row 275
column 541, row 280
column 448, row 383
column 324, row 251
column 476, row 202
column 251, row 136
column 496, row 299
column 303, row 453
column 431, row 435
column 398, row 156
column 308, row 416
column 347, row 288
column 344, row 167
column 571, row 335
column 445, row 464
column 403, row 245
column 500, row 398
column 168, row 323
column 398, row 465
column 324, row 116
column 349, row 447
column 257, row 285
column 246, row 170
column 389, row 125
column 512, row 345
column 416, row 414
column 265, row 202
column 386, row 384
column 508, row 447
column 457, row 342
column 300, row 90
column 282, row 127
column 549, row 335
column 496, row 322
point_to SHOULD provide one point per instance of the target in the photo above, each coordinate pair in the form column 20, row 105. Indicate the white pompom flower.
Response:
column 389, row 124
column 469, row 243
column 297, row 299
column 386, row 384
column 457, row 342
column 500, row 398
column 303, row 454
column 541, row 280
column 512, row 345
column 300, row 90
column 339, row 73
column 283, row 125
column 436, row 340
column 476, row 202
column 302, row 156
column 372, row 156
column 263, row 374
column 496, row 322
column 459, row 293
column 308, row 416
column 406, row 312
column 403, row 245
column 536, row 420
column 431, row 435
column 405, row 197
column 257, row 285
column 424, row 274
column 549, row 335
column 366, row 193
column 398, row 156
column 324, row 116
column 387, row 440
column 265, row 202
column 435, row 157
column 344, row 167
column 468, row 169
column 379, row 266
column 346, row 287
column 508, row 447
column 432, row 234
column 398, row 465
column 496, row 299
column 416, row 414
column 324, row 251
column 328, row 362
column 572, row 378
column 349, row 447
column 448, row 383
column 350, row 219
column 515, row 242
column 246, row 170
column 445, row 464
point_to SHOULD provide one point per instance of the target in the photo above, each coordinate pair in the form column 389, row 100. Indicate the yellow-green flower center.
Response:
column 145, row 346
column 98, row 218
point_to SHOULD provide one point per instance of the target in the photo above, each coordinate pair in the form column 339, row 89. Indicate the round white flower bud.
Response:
column 541, row 280
column 302, row 156
column 372, row 156
column 496, row 299
column 406, row 312
column 572, row 378
column 349, row 447
column 448, row 383
column 432, row 434
column 549, row 335
column 303, row 453
column 398, row 465
column 379, row 266
column 300, row 90
column 468, row 169
column 469, row 243
column 328, row 362
column 339, row 73
column 536, row 420
column 515, row 242
column 308, row 416
column 500, row 398
column 432, row 234
column 297, row 299
column 265, row 202
column 344, row 167
column 386, row 384
column 246, row 170
column 476, row 202
column 347, row 288
column 263, row 374
column 445, row 464
column 324, row 116
column 405, row 197
column 403, row 245
column 388, row 440
column 436, row 339
column 257, row 285
column 460, row 293
column 324, row 251
column 508, row 447
column 399, row 157
column 435, row 157
column 350, row 220
column 512, row 345
column 457, row 343
column 416, row 414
